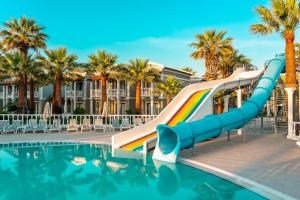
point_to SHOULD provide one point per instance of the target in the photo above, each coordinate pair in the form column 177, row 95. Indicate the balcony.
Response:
column 114, row 92
column 70, row 93
column 36, row 94
column 10, row 95
column 96, row 93
column 146, row 92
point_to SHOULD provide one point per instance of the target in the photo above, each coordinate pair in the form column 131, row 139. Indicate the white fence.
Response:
column 65, row 118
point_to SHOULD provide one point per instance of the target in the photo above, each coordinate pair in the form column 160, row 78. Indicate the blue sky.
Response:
column 160, row 30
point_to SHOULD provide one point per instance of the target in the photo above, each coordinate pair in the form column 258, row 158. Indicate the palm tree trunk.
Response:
column 168, row 99
column 21, row 94
column 138, row 97
column 103, row 92
column 219, row 106
column 31, row 96
column 289, row 37
column 57, row 101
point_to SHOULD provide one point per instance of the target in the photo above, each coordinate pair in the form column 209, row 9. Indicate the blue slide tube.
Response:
column 184, row 135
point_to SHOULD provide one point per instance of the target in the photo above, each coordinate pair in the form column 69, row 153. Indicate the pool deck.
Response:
column 268, row 159
column 89, row 137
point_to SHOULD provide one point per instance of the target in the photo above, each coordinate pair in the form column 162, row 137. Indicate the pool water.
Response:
column 90, row 172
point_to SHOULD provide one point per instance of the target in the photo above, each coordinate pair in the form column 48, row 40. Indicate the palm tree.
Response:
column 60, row 67
column 283, row 18
column 22, row 35
column 12, row 66
column 210, row 46
column 189, row 70
column 170, row 88
column 36, row 76
column 103, row 65
column 136, row 71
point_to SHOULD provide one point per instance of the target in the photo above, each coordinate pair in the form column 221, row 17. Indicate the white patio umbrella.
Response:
column 47, row 111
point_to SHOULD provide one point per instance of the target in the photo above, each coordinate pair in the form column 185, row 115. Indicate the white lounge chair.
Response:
column 137, row 122
column 14, row 127
column 72, row 126
column 86, row 125
column 31, row 126
column 55, row 126
column 115, row 124
column 3, row 124
column 125, row 124
column 42, row 126
column 98, row 125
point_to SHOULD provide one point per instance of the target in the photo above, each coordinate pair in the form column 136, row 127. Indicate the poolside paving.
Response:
column 267, row 159
column 92, row 137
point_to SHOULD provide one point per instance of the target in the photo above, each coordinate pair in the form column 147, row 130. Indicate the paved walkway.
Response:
column 82, row 137
column 267, row 159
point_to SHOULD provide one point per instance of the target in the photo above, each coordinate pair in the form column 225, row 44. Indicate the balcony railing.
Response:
column 146, row 92
column 96, row 93
column 10, row 95
column 36, row 94
column 114, row 92
column 1, row 94
column 70, row 93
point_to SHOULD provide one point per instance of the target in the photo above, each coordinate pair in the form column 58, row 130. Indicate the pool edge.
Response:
column 253, row 186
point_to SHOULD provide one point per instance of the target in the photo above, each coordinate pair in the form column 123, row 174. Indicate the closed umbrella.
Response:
column 47, row 112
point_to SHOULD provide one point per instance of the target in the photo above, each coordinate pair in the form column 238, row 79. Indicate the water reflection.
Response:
column 90, row 172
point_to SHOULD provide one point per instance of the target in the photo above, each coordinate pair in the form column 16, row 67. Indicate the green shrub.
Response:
column 79, row 111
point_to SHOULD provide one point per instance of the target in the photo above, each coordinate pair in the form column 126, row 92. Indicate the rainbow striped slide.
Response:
column 185, row 111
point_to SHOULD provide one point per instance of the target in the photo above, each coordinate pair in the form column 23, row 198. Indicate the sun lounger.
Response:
column 42, row 126
column 55, row 126
column 98, row 125
column 31, row 126
column 14, row 127
column 125, row 124
column 137, row 122
column 86, row 125
column 115, row 124
column 3, row 124
column 72, row 126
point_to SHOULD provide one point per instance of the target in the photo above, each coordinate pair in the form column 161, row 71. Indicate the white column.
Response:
column 4, row 95
column 239, row 104
column 91, row 97
column 226, row 103
column 118, row 97
column 152, row 99
column 13, row 92
column 74, row 91
column 84, row 92
column 66, row 100
column 290, row 92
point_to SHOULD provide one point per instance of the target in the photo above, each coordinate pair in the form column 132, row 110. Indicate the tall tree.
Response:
column 170, row 88
column 283, row 17
column 12, row 66
column 103, row 65
column 22, row 35
column 136, row 71
column 36, row 76
column 189, row 70
column 210, row 46
column 61, row 67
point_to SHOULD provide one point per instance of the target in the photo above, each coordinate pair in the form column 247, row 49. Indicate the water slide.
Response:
column 184, row 135
column 192, row 103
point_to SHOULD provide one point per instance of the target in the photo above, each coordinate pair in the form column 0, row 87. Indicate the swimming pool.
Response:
column 83, row 171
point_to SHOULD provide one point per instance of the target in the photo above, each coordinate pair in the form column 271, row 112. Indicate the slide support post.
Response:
column 239, row 104
column 290, row 92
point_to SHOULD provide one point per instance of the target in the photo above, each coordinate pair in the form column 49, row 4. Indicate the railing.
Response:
column 10, row 94
column 146, row 92
column 70, row 93
column 65, row 118
column 96, row 93
column 1, row 94
column 114, row 92
column 36, row 94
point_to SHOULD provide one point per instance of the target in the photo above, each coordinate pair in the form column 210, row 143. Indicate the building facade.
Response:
column 86, row 93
